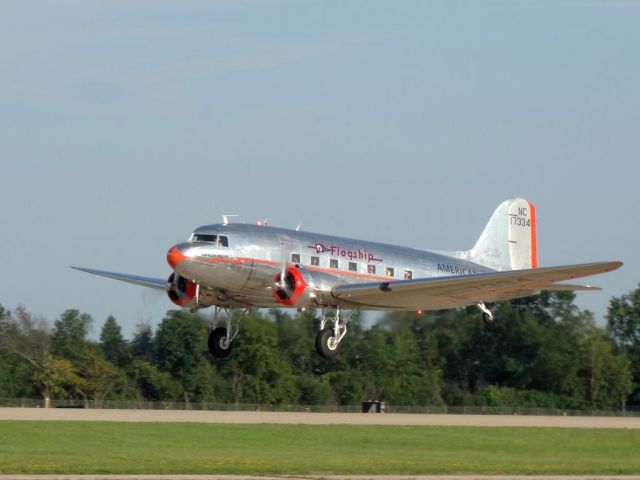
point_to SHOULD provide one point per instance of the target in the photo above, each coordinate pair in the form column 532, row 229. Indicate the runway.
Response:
column 315, row 477
column 199, row 416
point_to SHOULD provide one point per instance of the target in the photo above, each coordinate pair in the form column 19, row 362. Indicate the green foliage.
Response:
column 623, row 321
column 24, row 351
column 151, row 384
column 607, row 376
column 180, row 344
column 142, row 343
column 60, row 379
column 538, row 352
column 506, row 397
column 70, row 334
column 258, row 369
column 113, row 343
column 100, row 376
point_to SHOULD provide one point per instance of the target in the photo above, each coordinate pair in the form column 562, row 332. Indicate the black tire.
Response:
column 322, row 344
column 215, row 343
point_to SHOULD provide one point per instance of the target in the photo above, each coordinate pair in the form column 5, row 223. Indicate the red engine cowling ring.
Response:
column 299, row 285
column 182, row 291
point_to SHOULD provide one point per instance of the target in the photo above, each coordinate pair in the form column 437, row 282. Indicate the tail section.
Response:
column 508, row 242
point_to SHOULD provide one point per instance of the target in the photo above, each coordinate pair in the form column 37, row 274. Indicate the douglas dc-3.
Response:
column 230, row 266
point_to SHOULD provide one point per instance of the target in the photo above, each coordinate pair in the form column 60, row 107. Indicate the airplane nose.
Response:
column 175, row 256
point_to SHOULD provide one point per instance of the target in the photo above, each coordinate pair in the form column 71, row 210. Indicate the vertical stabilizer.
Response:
column 508, row 242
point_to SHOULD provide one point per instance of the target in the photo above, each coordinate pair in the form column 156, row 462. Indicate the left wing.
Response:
column 157, row 283
column 459, row 291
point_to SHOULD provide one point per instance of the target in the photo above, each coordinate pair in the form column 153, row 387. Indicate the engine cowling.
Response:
column 303, row 287
column 181, row 291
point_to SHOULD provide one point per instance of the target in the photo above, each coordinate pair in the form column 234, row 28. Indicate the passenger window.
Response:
column 295, row 258
column 371, row 269
column 333, row 263
column 223, row 240
column 408, row 274
column 389, row 271
column 353, row 267
column 315, row 261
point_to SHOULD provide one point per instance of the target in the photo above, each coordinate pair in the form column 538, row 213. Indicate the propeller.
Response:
column 285, row 251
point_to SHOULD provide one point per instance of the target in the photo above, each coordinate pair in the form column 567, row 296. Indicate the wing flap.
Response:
column 157, row 283
column 456, row 291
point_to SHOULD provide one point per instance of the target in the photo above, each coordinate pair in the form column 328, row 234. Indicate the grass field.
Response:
column 139, row 448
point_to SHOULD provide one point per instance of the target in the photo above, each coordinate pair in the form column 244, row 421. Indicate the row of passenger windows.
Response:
column 353, row 266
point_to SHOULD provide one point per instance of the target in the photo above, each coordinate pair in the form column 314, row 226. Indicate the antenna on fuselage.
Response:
column 225, row 218
column 263, row 222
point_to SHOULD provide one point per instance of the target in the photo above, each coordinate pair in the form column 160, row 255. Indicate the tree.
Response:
column 258, row 369
column 70, row 335
column 113, row 344
column 623, row 322
column 27, row 340
column 142, row 345
column 607, row 376
column 24, row 336
column 152, row 384
column 59, row 378
column 180, row 343
column 100, row 377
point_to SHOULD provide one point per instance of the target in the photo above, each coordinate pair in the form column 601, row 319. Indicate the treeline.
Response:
column 538, row 352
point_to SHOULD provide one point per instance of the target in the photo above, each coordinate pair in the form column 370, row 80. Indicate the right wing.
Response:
column 157, row 283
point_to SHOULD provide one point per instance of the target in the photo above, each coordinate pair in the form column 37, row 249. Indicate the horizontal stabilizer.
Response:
column 569, row 287
column 157, row 283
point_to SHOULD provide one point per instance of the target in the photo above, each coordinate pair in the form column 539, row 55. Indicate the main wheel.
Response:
column 218, row 345
column 326, row 344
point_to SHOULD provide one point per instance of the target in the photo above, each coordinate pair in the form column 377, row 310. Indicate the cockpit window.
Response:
column 201, row 237
column 221, row 240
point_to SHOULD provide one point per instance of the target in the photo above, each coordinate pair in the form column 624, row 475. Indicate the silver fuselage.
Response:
column 240, row 271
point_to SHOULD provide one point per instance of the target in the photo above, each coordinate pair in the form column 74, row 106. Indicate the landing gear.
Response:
column 326, row 345
column 219, row 344
column 220, row 339
column 328, row 338
column 487, row 314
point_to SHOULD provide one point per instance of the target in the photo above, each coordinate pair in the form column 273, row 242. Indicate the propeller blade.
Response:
column 285, row 250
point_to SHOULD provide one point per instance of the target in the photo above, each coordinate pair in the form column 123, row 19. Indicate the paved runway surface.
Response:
column 315, row 418
column 317, row 477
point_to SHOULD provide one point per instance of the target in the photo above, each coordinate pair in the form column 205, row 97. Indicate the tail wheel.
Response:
column 326, row 343
column 219, row 345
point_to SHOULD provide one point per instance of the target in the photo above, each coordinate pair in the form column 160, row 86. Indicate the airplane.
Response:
column 241, row 266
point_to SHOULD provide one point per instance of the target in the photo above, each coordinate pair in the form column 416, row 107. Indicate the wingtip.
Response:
column 616, row 264
column 80, row 269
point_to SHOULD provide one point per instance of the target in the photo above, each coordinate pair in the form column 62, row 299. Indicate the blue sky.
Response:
column 124, row 125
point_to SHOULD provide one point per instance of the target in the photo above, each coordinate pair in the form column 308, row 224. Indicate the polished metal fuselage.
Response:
column 242, row 273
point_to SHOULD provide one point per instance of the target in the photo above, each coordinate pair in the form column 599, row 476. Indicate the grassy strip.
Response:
column 144, row 448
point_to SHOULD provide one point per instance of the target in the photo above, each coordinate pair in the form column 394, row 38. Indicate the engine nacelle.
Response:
column 181, row 291
column 303, row 287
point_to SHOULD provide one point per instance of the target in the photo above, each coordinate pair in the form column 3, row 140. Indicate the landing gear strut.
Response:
column 487, row 314
column 220, row 338
column 328, row 338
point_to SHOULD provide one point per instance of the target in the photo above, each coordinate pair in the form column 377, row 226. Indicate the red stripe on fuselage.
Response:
column 534, row 237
